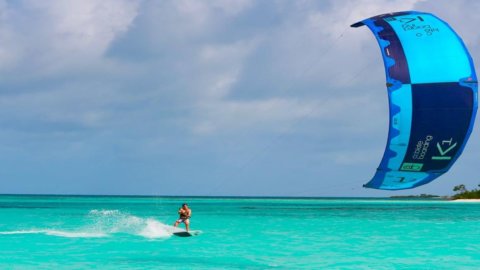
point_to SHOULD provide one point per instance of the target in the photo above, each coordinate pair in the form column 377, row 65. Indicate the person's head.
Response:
column 184, row 206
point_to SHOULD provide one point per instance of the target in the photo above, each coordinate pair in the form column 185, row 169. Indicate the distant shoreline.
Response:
column 225, row 197
column 407, row 197
column 466, row 200
column 193, row 196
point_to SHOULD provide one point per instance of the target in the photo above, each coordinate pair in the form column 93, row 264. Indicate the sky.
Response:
column 185, row 97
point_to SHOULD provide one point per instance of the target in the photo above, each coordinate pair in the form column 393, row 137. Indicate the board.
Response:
column 186, row 234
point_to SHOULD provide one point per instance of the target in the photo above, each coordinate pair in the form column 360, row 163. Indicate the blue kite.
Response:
column 432, row 92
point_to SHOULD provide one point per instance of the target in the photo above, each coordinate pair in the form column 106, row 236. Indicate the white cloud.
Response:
column 183, row 22
column 295, row 50
column 87, row 26
column 306, row 47
column 221, row 65
column 201, row 11
column 49, row 37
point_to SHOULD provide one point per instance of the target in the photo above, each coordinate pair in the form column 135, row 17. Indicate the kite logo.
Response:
column 414, row 167
column 422, row 147
column 443, row 148
column 407, row 20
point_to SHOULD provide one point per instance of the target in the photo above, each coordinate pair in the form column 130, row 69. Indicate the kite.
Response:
column 432, row 92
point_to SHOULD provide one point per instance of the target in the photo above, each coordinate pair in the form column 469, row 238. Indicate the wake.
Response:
column 107, row 223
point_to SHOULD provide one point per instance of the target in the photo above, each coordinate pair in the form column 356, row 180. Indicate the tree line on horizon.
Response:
column 463, row 193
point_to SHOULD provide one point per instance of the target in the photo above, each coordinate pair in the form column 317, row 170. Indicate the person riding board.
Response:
column 185, row 214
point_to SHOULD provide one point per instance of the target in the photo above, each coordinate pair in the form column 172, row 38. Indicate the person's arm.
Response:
column 189, row 213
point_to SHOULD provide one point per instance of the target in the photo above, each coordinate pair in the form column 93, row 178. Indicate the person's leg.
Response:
column 187, row 224
column 176, row 223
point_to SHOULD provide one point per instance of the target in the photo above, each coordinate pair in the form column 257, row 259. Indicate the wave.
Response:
column 105, row 223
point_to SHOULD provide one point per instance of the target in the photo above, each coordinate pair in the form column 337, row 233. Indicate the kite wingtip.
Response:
column 357, row 24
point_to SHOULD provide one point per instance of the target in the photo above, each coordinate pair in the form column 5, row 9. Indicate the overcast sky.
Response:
column 181, row 97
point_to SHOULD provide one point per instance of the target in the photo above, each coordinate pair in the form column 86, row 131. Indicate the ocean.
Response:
column 102, row 232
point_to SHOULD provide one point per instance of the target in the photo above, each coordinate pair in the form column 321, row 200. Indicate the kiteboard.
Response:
column 186, row 234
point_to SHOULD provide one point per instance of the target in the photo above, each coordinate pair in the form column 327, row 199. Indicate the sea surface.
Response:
column 81, row 232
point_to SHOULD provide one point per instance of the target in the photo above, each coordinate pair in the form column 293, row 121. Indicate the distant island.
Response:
column 462, row 193
column 421, row 196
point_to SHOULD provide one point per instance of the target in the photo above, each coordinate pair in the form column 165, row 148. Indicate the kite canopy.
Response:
column 432, row 93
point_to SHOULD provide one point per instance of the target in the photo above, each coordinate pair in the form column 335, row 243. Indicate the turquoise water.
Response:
column 61, row 232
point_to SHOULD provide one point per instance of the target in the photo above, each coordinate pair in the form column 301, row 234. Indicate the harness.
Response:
column 184, row 215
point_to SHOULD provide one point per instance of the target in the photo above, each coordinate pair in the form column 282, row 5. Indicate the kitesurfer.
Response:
column 185, row 213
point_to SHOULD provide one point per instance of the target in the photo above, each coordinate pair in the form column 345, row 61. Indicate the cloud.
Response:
column 54, row 37
column 55, row 60
column 84, row 41
column 83, row 47
column 316, row 48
